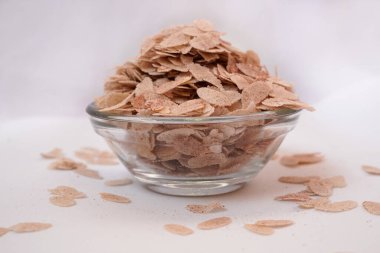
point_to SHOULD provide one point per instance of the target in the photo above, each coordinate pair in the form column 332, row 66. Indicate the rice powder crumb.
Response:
column 339, row 206
column 212, row 207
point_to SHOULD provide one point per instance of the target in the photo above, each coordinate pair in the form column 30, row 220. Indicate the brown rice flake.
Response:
column 114, row 198
column 339, row 206
column 261, row 230
column 178, row 229
column 371, row 169
column 53, row 154
column 372, row 207
column 214, row 223
column 29, row 227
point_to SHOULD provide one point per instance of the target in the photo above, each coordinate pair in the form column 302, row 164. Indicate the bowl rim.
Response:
column 282, row 113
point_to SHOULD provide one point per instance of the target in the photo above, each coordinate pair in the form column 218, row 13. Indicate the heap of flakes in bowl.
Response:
column 190, row 71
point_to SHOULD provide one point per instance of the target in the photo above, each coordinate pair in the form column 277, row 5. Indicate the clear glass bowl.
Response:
column 194, row 156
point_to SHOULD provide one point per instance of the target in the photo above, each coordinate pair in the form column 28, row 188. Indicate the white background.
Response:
column 55, row 56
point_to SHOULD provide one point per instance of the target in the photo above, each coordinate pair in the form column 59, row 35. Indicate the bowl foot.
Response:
column 192, row 187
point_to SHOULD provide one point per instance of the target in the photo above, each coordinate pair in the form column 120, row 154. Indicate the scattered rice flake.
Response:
column 371, row 169
column 297, row 179
column 336, row 181
column 178, row 229
column 114, row 198
column 3, row 231
column 29, row 227
column 96, row 156
column 302, row 158
column 339, row 206
column 62, row 201
column 118, row 182
column 313, row 202
column 66, row 164
column 320, row 187
column 89, row 173
column 214, row 223
column 261, row 230
column 53, row 154
column 274, row 223
column 67, row 191
column 210, row 208
column 298, row 196
column 372, row 207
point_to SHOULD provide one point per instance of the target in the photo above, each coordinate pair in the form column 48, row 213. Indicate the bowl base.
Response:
column 193, row 187
column 180, row 190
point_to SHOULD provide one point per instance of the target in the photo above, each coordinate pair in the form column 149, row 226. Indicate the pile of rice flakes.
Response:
column 189, row 70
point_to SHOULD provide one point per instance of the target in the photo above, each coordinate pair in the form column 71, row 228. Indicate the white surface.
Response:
column 54, row 56
column 97, row 226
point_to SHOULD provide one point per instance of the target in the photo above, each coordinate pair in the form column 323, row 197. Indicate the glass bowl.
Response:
column 194, row 156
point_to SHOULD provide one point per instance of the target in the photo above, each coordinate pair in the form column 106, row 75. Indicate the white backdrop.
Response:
column 55, row 55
